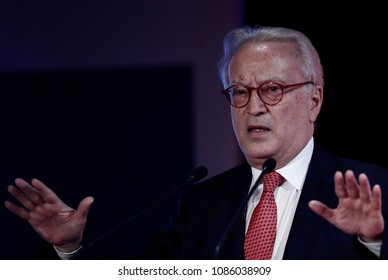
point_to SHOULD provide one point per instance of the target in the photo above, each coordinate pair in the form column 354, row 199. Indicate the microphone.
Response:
column 267, row 167
column 196, row 175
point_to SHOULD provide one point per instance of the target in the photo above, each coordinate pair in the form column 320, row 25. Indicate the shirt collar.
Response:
column 295, row 171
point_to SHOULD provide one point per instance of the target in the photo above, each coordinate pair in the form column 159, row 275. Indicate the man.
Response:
column 273, row 80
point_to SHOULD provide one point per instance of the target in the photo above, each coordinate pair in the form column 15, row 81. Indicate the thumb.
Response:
column 320, row 209
column 84, row 206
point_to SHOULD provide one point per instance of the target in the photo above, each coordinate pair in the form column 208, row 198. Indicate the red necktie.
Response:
column 260, row 237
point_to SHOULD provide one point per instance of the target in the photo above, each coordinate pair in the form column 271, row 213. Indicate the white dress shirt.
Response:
column 287, row 197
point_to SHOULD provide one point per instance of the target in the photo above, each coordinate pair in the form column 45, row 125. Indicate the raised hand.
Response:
column 50, row 217
column 359, row 207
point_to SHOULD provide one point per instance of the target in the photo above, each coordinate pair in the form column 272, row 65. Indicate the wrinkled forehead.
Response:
column 265, row 60
column 279, row 49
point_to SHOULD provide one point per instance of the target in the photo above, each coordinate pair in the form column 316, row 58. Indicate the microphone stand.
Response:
column 268, row 166
column 196, row 175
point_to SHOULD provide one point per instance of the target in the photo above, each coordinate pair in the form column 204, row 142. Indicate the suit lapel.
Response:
column 234, row 193
column 319, row 185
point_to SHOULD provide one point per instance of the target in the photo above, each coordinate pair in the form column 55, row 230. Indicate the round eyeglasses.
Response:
column 270, row 93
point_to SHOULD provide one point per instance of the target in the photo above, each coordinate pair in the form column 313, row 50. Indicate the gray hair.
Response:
column 310, row 64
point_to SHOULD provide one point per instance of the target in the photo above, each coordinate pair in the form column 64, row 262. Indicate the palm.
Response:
column 55, row 223
column 51, row 218
column 359, row 207
column 355, row 217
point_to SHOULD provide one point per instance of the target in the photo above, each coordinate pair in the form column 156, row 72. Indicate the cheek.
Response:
column 298, row 110
column 236, row 120
column 234, row 117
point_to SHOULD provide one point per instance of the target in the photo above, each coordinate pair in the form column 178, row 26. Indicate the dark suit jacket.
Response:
column 207, row 208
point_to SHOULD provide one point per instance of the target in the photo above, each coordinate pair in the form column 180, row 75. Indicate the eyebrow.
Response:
column 264, row 82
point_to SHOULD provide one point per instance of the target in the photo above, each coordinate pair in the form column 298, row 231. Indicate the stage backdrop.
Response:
column 120, row 135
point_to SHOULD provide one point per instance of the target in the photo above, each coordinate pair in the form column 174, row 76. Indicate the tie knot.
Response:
column 272, row 180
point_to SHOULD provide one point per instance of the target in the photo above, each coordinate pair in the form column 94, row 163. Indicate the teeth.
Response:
column 257, row 129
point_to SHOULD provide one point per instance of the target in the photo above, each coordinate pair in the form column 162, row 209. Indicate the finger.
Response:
column 45, row 192
column 339, row 183
column 29, row 191
column 376, row 197
column 351, row 185
column 321, row 209
column 365, row 189
column 17, row 210
column 21, row 197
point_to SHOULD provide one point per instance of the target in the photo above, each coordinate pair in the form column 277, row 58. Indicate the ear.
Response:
column 316, row 102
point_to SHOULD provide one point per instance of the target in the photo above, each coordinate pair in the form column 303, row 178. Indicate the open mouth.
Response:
column 256, row 128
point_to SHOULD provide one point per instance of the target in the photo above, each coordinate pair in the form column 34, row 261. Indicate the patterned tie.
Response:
column 260, row 237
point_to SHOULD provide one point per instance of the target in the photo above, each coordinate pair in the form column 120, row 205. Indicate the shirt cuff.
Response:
column 67, row 256
column 374, row 247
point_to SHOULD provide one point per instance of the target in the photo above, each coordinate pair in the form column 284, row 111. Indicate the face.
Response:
column 280, row 131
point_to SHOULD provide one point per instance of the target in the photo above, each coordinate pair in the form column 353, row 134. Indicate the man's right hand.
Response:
column 50, row 217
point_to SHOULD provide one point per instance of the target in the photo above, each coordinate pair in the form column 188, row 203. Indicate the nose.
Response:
column 255, row 106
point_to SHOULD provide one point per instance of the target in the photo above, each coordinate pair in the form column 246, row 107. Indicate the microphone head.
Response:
column 269, row 165
column 198, row 173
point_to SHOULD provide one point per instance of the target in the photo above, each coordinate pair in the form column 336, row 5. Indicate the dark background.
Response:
column 350, row 42
column 102, row 99
column 98, row 134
